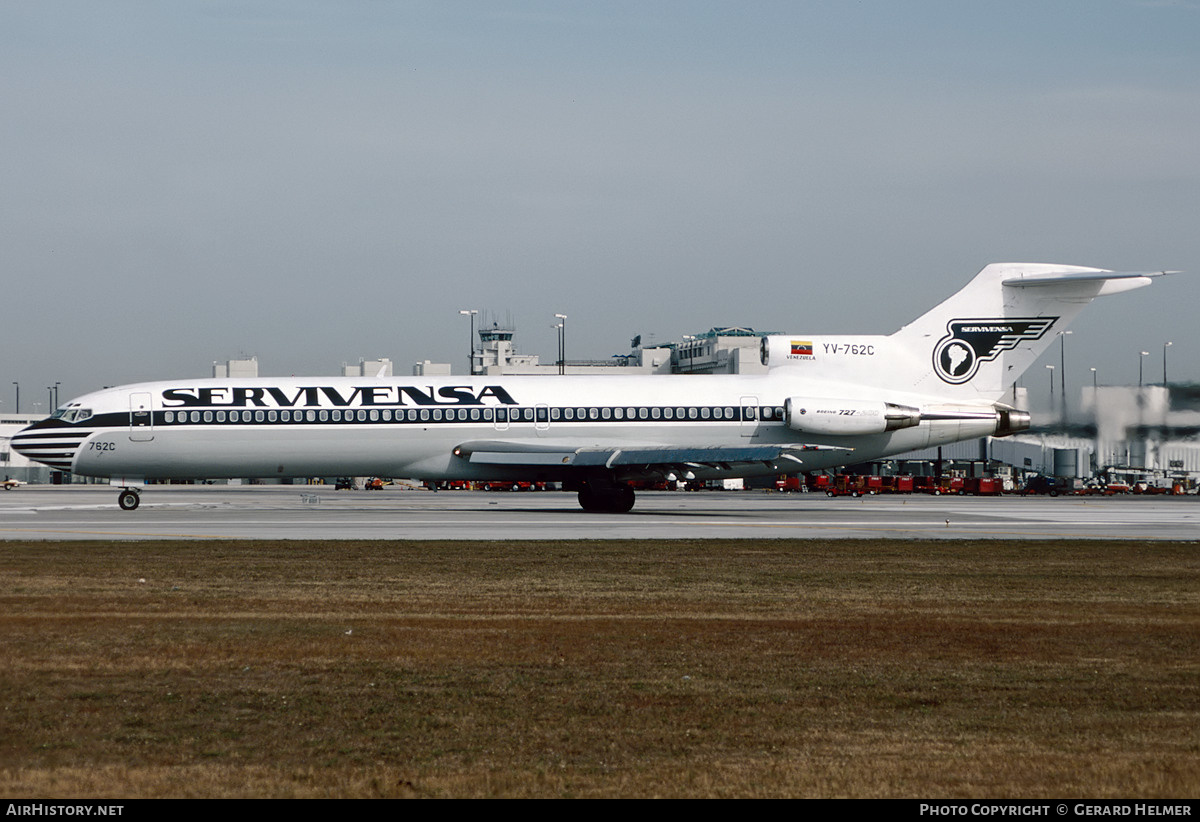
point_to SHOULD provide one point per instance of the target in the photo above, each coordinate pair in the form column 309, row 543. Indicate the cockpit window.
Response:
column 72, row 414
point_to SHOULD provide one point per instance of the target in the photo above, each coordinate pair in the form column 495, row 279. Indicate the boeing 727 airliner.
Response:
column 824, row 401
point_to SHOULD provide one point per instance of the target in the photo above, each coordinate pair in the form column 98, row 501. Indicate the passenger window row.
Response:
column 489, row 414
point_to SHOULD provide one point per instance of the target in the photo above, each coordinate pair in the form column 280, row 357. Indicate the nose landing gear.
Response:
column 128, row 499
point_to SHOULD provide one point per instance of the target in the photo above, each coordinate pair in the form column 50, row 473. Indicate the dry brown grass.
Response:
column 777, row 668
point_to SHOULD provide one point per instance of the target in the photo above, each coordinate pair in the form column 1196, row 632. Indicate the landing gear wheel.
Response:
column 622, row 500
column 616, row 500
column 128, row 499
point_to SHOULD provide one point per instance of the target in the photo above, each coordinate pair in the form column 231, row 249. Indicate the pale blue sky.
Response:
column 318, row 182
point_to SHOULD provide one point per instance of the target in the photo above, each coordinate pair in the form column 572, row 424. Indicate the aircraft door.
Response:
column 141, row 417
column 749, row 416
column 541, row 419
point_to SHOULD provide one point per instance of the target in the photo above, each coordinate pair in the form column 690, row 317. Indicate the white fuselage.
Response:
column 414, row 427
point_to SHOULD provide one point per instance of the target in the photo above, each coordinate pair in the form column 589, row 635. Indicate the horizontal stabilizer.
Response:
column 1067, row 276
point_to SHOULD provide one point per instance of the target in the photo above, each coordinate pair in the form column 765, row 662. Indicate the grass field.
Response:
column 606, row 668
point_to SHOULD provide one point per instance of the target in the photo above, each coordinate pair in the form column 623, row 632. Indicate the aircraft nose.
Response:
column 49, row 443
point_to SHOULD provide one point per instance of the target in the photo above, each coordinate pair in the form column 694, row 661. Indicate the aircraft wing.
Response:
column 542, row 454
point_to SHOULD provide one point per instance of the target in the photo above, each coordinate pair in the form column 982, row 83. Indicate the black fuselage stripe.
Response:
column 489, row 416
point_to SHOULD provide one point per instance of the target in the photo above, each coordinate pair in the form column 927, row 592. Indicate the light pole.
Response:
column 1051, row 369
column 18, row 385
column 1093, row 378
column 56, row 385
column 1166, row 345
column 1141, row 360
column 558, row 338
column 562, row 343
column 470, row 340
column 1062, row 369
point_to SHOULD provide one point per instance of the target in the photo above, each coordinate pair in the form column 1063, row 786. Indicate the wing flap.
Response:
column 543, row 454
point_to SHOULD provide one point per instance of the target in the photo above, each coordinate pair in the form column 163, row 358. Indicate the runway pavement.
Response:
column 319, row 512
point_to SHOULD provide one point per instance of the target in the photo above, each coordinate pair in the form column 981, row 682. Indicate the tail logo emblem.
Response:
column 968, row 343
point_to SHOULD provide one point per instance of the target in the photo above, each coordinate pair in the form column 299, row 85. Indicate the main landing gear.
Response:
column 602, row 498
column 128, row 499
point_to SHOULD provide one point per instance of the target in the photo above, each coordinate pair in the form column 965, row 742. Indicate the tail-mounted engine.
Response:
column 1010, row 421
column 847, row 417
column 812, row 415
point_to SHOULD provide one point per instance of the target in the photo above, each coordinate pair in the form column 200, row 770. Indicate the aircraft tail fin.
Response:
column 975, row 344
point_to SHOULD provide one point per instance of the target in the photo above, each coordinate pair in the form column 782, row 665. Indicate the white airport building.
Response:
column 494, row 353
